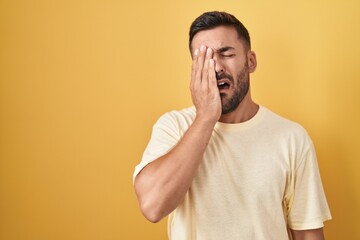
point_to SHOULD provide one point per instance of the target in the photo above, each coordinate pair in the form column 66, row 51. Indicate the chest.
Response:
column 244, row 166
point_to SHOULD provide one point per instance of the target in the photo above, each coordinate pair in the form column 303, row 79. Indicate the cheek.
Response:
column 235, row 67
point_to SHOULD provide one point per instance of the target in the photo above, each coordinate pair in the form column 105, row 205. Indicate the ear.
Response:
column 252, row 61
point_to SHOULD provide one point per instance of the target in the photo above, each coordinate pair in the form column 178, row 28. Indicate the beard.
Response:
column 241, row 88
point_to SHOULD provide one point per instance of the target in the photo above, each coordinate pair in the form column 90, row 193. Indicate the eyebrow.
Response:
column 224, row 49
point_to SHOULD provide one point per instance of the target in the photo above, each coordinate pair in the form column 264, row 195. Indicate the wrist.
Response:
column 205, row 120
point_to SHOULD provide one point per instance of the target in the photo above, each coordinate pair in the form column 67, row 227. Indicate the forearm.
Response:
column 162, row 184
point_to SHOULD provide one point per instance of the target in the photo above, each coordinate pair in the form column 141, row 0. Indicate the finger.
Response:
column 212, row 75
column 193, row 68
column 206, row 68
column 200, row 64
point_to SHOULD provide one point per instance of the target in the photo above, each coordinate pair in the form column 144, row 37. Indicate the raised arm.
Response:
column 163, row 183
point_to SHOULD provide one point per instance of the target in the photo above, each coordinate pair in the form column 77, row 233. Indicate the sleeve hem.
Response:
column 138, row 169
column 309, row 225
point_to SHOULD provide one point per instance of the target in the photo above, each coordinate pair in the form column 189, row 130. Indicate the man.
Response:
column 228, row 168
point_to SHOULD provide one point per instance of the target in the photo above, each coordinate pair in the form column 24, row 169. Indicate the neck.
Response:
column 245, row 111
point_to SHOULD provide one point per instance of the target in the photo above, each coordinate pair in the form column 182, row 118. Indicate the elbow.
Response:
column 151, row 211
column 149, row 203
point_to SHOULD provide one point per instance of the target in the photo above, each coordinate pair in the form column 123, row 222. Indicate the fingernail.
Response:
column 209, row 50
column 196, row 52
column 202, row 48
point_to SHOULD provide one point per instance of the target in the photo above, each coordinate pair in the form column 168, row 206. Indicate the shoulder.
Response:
column 285, row 127
column 278, row 121
column 176, row 120
column 291, row 137
column 181, row 117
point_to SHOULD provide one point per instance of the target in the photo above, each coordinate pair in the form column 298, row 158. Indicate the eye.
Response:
column 228, row 55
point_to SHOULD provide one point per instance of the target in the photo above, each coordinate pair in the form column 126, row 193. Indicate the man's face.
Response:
column 231, row 64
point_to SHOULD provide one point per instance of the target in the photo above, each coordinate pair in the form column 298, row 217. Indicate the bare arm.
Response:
column 163, row 183
column 313, row 234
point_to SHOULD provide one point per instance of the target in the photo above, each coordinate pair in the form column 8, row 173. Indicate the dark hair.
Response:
column 210, row 20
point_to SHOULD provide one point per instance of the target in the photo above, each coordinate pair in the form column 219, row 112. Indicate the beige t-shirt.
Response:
column 256, row 179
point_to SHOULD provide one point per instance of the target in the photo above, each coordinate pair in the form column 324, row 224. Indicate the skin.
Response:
column 312, row 234
column 230, row 56
column 163, row 183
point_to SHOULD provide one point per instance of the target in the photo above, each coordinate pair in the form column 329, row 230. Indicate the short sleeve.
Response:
column 165, row 135
column 309, row 208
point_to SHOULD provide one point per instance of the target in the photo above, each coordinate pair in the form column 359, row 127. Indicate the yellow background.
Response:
column 82, row 82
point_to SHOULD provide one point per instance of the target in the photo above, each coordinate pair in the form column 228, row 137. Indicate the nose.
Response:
column 219, row 67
